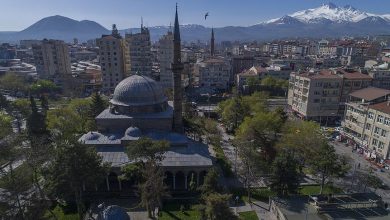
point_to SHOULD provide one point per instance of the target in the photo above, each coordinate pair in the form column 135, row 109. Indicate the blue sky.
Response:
column 18, row 14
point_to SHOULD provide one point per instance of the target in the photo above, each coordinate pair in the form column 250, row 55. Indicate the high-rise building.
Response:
column 52, row 60
column 165, row 58
column 139, row 47
column 113, row 59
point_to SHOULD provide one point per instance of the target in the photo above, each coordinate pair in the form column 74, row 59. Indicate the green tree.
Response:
column 262, row 129
column 132, row 172
column 97, row 105
column 210, row 183
column 326, row 163
column 73, row 166
column 43, row 86
column 13, row 82
column 148, row 149
column 152, row 189
column 233, row 111
column 218, row 207
column 285, row 175
column 36, row 123
column 5, row 125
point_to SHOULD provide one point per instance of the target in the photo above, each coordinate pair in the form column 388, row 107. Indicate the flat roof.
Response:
column 382, row 107
column 370, row 93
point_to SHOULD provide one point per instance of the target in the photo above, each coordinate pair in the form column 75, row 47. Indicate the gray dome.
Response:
column 138, row 90
column 115, row 212
column 90, row 136
column 133, row 132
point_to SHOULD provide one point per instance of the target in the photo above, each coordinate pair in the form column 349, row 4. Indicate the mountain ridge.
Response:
column 327, row 20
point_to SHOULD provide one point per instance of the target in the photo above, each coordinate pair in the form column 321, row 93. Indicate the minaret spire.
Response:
column 177, row 68
column 212, row 49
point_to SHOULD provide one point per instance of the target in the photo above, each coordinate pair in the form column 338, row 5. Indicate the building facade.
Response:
column 165, row 58
column 367, row 121
column 52, row 61
column 113, row 59
column 139, row 47
column 214, row 73
column 321, row 95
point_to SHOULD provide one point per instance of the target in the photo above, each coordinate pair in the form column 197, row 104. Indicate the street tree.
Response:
column 285, row 175
column 210, row 183
column 147, row 149
column 262, row 129
column 72, row 167
column 217, row 207
column 326, row 163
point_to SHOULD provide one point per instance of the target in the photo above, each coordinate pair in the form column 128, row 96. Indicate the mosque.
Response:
column 138, row 109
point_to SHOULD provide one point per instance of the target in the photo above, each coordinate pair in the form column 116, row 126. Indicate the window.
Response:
column 377, row 130
column 368, row 126
column 383, row 133
column 371, row 115
column 381, row 145
column 387, row 121
column 380, row 119
column 374, row 142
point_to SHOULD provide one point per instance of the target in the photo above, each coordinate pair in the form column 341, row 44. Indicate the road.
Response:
column 357, row 158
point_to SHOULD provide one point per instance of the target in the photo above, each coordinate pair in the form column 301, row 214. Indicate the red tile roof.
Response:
column 382, row 107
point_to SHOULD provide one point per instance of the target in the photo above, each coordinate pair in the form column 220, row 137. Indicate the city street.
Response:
column 357, row 158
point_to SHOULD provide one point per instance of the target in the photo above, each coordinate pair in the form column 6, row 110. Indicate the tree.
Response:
column 233, row 111
column 146, row 148
column 5, row 125
column 326, row 163
column 97, row 105
column 302, row 138
column 285, row 175
column 218, row 207
column 64, row 122
column 132, row 172
column 262, row 129
column 368, row 178
column 73, row 166
column 252, row 163
column 44, row 104
column 210, row 183
column 43, row 86
column 13, row 82
column 150, row 153
column 153, row 189
column 36, row 123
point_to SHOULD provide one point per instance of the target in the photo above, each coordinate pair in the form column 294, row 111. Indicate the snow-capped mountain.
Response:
column 331, row 12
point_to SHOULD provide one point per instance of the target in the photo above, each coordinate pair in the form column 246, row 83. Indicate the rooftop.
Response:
column 370, row 93
column 382, row 107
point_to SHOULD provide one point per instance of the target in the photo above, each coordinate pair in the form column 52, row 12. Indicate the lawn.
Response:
column 173, row 212
column 260, row 194
column 315, row 189
column 63, row 213
column 250, row 215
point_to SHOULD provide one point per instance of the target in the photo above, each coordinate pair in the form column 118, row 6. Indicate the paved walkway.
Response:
column 259, row 207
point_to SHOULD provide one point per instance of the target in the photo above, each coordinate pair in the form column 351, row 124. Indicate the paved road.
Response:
column 357, row 158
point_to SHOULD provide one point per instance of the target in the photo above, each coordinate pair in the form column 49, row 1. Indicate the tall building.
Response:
column 214, row 73
column 321, row 95
column 165, row 57
column 367, row 121
column 177, row 69
column 113, row 59
column 140, row 52
column 52, row 60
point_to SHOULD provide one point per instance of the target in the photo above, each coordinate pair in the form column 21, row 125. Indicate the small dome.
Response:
column 138, row 90
column 115, row 212
column 90, row 136
column 133, row 132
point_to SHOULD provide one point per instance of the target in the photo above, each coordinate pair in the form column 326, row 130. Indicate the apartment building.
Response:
column 214, row 73
column 367, row 121
column 139, row 47
column 113, row 59
column 321, row 95
column 165, row 58
column 380, row 74
column 52, row 61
